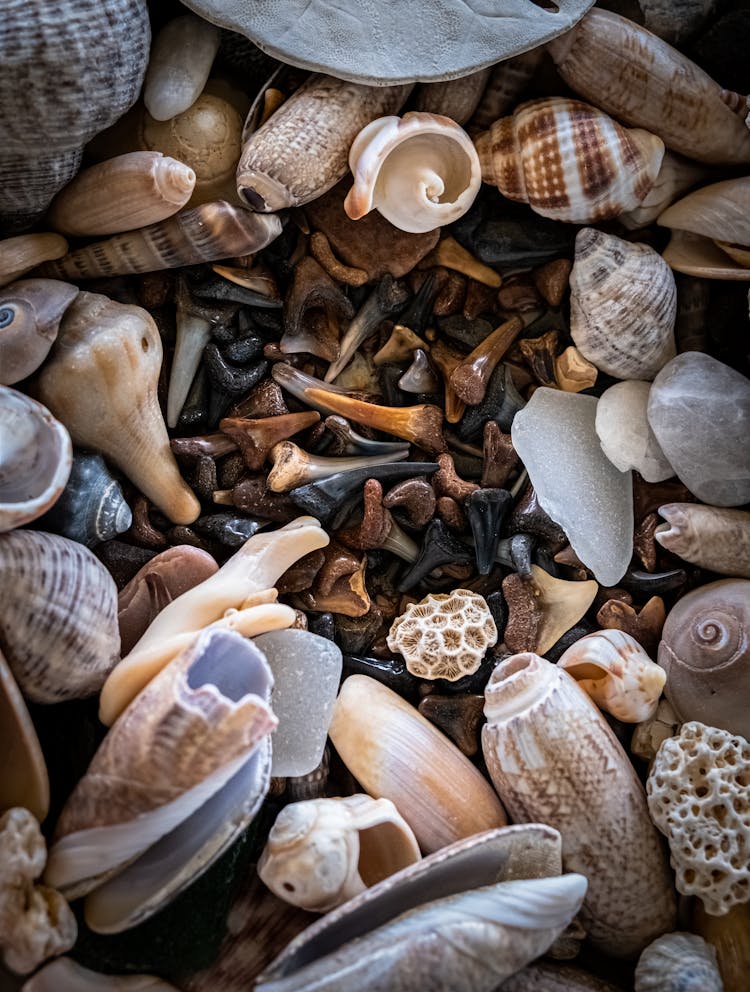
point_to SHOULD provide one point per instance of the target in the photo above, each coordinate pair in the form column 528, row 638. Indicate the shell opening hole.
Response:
column 547, row 5
column 512, row 666
column 231, row 664
column 144, row 344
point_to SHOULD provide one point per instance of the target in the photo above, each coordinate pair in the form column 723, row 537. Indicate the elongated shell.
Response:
column 640, row 79
column 101, row 382
column 324, row 851
column 623, row 305
column 178, row 751
column 713, row 537
column 19, row 255
column 204, row 234
column 35, row 459
column 569, row 161
column 23, row 773
column 552, row 757
column 30, row 315
column 419, row 171
column 181, row 59
column 58, row 625
column 302, row 150
column 92, row 507
column 613, row 669
column 121, row 194
column 678, row 962
column 720, row 212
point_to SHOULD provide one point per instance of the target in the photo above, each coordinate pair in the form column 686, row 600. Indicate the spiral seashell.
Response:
column 19, row 255
column 301, row 151
column 101, row 382
column 35, row 459
column 713, row 537
column 204, row 234
column 678, row 962
column 623, row 305
column 192, row 750
column 23, row 775
column 121, row 194
column 419, row 171
column 324, row 851
column 30, row 315
column 705, row 651
column 92, row 507
column 640, row 79
column 569, row 161
column 613, row 669
column 58, row 627
column 67, row 71
column 546, row 748
column 181, row 58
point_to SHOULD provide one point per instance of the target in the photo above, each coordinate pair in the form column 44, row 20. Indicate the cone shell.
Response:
column 569, row 161
column 623, row 305
column 58, row 626
column 101, row 382
column 553, row 758
column 30, row 315
column 121, row 194
column 393, row 751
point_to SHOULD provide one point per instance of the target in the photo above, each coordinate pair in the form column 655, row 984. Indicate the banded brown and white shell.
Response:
column 30, row 315
column 569, row 161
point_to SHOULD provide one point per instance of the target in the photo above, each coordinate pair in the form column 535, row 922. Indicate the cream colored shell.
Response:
column 445, row 636
column 420, row 171
column 720, row 211
column 613, row 669
column 714, row 537
column 699, row 797
column 678, row 962
column 324, row 851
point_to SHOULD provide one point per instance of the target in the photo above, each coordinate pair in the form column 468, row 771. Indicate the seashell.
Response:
column 181, row 58
column 92, row 507
column 301, row 151
column 718, row 212
column 101, row 381
column 703, row 258
column 66, row 975
column 678, row 962
column 640, row 79
column 675, row 177
column 730, row 935
column 251, row 570
column 705, row 651
column 30, row 315
column 546, row 748
column 171, row 787
column 549, row 976
column 569, row 161
column 121, row 194
column 419, row 171
column 453, row 98
column 54, row 102
column 648, row 736
column 713, row 537
column 393, row 751
column 324, row 851
column 35, row 459
column 23, row 779
column 613, row 669
column 204, row 234
column 623, row 305
column 19, row 255
column 58, row 628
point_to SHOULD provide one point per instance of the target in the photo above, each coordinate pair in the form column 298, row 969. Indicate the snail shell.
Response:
column 92, row 507
column 58, row 627
column 678, row 962
column 35, row 459
column 546, row 748
column 720, row 212
column 181, row 58
column 30, row 315
column 713, row 537
column 705, row 651
column 68, row 70
column 623, row 306
column 204, row 234
column 419, row 171
column 569, row 161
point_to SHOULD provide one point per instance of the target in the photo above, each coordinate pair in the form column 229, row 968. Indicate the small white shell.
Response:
column 420, row 171
column 613, row 669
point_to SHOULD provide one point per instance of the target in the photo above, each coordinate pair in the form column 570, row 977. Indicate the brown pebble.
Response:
column 450, row 512
column 552, row 278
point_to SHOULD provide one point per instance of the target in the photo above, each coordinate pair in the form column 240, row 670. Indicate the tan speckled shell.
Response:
column 554, row 759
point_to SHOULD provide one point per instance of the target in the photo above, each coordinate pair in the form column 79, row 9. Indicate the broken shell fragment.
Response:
column 419, row 171
column 324, row 851
column 30, row 315
column 713, row 537
column 23, row 780
column 181, row 57
column 20, row 255
column 454, row 98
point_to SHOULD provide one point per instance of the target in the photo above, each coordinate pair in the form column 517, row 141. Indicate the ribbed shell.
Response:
column 569, row 161
column 678, row 962
column 68, row 69
column 58, row 624
column 554, row 759
column 623, row 305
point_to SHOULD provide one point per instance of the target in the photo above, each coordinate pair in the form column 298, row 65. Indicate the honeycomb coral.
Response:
column 445, row 636
column 699, row 797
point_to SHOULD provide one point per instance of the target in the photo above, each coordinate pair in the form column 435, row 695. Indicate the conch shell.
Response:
column 30, row 315
column 547, row 747
column 420, row 171
column 569, row 161
column 324, row 851
column 613, row 669
column 171, row 786
column 101, row 382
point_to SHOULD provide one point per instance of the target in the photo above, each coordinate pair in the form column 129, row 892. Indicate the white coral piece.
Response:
column 445, row 636
column 699, row 797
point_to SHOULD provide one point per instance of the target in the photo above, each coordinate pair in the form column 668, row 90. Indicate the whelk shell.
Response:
column 419, row 171
column 30, row 315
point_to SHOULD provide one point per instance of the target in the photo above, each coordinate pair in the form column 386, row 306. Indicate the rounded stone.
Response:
column 624, row 432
